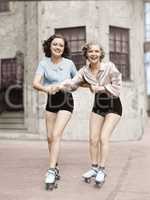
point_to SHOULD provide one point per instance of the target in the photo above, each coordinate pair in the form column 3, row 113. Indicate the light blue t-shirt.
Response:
column 56, row 73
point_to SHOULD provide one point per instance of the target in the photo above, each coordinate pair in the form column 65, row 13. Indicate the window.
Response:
column 119, row 50
column 9, row 70
column 76, row 38
column 4, row 6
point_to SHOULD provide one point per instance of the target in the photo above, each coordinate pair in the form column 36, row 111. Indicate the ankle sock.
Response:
column 95, row 165
column 102, row 168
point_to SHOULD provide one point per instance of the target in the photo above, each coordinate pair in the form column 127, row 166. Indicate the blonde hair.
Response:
column 87, row 46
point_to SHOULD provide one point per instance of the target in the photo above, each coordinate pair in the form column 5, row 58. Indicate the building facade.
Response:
column 147, row 50
column 119, row 28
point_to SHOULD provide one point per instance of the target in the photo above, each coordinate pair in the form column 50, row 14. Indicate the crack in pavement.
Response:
column 112, row 195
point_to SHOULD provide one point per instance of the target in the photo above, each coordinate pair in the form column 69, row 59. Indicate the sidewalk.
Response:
column 23, row 166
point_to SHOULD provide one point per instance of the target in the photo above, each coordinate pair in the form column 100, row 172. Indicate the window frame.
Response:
column 4, row 4
column 121, row 31
column 77, row 52
column 10, row 61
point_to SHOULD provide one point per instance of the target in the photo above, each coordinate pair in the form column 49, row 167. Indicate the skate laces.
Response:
column 95, row 169
column 56, row 170
column 101, row 173
column 92, row 171
column 50, row 178
column 51, row 171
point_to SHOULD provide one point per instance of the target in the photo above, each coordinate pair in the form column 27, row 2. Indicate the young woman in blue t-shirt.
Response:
column 54, row 69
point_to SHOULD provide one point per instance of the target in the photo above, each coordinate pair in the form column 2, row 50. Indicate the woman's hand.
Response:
column 55, row 89
column 86, row 85
column 52, row 89
column 62, row 87
column 97, row 88
column 66, row 83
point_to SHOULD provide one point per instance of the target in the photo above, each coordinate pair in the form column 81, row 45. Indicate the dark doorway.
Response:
column 11, row 85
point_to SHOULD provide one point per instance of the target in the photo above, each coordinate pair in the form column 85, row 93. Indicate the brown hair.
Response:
column 47, row 44
column 87, row 46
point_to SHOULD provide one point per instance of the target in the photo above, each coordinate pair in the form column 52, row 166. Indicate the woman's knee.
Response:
column 104, row 140
column 56, row 138
column 49, row 139
column 94, row 141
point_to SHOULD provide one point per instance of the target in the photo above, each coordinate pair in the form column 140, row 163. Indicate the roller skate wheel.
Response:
column 56, row 186
column 46, row 186
column 99, row 184
column 58, row 177
column 51, row 186
column 87, row 180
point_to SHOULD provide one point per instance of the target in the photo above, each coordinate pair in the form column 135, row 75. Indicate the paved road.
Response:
column 23, row 165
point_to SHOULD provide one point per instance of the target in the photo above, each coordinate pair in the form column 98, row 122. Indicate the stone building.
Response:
column 117, row 25
column 147, row 50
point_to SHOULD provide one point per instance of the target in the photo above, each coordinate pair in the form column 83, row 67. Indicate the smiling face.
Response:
column 57, row 47
column 93, row 54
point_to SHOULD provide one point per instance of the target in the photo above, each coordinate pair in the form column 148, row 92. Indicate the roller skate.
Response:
column 90, row 174
column 100, row 177
column 57, row 173
column 50, row 180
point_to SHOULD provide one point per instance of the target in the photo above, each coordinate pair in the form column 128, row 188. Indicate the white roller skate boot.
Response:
column 50, row 180
column 100, row 177
column 90, row 174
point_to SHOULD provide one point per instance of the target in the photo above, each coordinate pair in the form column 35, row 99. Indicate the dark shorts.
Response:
column 60, row 101
column 104, row 104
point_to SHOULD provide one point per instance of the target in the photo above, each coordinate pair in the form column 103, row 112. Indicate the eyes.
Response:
column 58, row 44
column 94, row 51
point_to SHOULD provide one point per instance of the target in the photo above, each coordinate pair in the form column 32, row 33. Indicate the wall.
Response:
column 127, row 14
column 29, row 23
column 12, row 30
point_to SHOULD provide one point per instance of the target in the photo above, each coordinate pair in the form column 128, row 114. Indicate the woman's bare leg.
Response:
column 95, row 125
column 111, row 120
column 50, row 122
column 62, row 119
